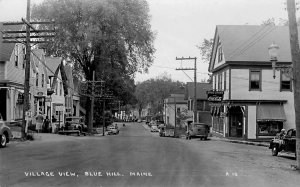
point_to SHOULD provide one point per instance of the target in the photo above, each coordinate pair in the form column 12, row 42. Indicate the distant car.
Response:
column 113, row 131
column 5, row 134
column 139, row 121
column 286, row 143
column 75, row 123
column 154, row 128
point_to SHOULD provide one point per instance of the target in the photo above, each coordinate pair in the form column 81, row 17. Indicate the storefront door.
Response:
column 235, row 121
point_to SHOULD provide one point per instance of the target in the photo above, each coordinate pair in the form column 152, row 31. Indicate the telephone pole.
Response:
column 195, row 82
column 295, row 52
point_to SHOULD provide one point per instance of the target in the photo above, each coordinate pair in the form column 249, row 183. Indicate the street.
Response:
column 137, row 157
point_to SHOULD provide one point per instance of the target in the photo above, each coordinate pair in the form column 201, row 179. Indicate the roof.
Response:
column 201, row 89
column 52, row 63
column 6, row 49
column 250, row 42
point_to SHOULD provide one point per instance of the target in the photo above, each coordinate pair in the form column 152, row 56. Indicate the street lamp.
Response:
column 273, row 53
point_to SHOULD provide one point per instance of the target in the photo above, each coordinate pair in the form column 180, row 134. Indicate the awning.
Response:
column 270, row 112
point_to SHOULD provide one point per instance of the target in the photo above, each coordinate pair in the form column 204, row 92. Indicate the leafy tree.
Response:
column 153, row 91
column 112, row 37
column 205, row 49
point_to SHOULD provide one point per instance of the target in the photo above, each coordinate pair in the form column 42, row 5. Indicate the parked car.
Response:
column 5, row 134
column 285, row 143
column 113, row 130
column 154, row 128
column 75, row 123
column 197, row 130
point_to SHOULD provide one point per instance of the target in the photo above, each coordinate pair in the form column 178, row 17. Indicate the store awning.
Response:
column 270, row 112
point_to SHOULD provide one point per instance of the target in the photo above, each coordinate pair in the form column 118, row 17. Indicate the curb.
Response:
column 241, row 142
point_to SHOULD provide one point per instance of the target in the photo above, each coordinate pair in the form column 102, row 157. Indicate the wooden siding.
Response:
column 16, row 74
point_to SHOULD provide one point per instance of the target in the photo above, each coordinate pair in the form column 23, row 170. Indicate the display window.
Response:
column 269, row 127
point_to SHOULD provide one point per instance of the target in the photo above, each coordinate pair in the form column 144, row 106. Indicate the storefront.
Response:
column 270, row 119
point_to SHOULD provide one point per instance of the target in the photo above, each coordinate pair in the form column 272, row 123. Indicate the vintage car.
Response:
column 75, row 123
column 5, row 134
column 285, row 143
column 113, row 130
column 200, row 130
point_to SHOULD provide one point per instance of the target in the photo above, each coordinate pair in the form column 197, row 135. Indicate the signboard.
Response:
column 40, row 93
column 215, row 96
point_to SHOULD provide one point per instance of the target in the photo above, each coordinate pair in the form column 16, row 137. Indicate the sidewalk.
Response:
column 248, row 142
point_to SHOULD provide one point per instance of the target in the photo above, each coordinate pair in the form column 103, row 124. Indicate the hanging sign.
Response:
column 215, row 96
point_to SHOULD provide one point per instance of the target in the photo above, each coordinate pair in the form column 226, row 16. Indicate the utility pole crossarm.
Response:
column 195, row 82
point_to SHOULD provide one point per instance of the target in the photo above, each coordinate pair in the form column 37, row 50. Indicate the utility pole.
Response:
column 27, row 73
column 103, row 117
column 295, row 52
column 195, row 82
column 175, row 117
column 8, row 37
column 91, row 117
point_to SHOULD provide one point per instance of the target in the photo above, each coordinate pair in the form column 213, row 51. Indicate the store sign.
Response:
column 40, row 93
column 20, row 99
column 215, row 96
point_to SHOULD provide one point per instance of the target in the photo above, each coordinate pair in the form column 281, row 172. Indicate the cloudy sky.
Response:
column 181, row 25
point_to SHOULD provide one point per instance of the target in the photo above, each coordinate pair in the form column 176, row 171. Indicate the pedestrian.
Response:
column 46, row 124
column 39, row 122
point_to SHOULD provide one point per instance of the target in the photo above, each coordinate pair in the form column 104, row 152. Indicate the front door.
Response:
column 235, row 122
column 3, row 103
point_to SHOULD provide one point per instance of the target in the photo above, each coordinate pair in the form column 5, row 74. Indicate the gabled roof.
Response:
column 201, row 89
column 52, row 63
column 6, row 49
column 249, row 43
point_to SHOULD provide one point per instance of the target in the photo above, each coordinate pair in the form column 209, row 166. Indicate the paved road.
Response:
column 136, row 157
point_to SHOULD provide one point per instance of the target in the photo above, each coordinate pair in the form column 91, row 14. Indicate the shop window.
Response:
column 269, row 128
column 285, row 82
column 255, row 80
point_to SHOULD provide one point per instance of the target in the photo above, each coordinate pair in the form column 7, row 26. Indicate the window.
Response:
column 24, row 55
column 269, row 128
column 178, row 110
column 255, row 80
column 37, row 79
column 224, row 80
column 60, row 88
column 220, row 54
column 16, row 56
column 215, row 82
column 220, row 81
column 43, row 80
column 285, row 82
column 56, row 89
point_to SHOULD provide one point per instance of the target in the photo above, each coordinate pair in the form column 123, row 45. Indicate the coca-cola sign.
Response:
column 215, row 96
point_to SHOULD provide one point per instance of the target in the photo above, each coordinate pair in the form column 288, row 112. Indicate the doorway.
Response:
column 3, row 103
column 235, row 121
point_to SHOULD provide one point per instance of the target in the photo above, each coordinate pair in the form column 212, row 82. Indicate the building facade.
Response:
column 173, row 107
column 255, row 105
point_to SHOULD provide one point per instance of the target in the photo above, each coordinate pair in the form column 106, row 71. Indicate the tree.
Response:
column 153, row 91
column 206, row 49
column 95, row 34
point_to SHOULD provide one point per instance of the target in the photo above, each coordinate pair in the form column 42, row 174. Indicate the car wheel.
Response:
column 274, row 151
column 3, row 140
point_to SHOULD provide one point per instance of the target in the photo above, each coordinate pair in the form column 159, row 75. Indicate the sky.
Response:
column 181, row 25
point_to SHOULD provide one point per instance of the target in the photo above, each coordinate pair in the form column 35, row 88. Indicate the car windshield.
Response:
column 154, row 127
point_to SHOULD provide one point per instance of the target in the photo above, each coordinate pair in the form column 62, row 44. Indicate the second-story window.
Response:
column 24, row 56
column 220, row 81
column 43, row 80
column 16, row 56
column 255, row 80
column 224, row 80
column 285, row 82
column 37, row 79
column 215, row 82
